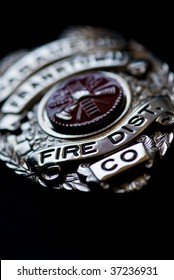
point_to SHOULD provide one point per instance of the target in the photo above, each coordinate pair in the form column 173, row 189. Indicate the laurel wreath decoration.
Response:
column 11, row 158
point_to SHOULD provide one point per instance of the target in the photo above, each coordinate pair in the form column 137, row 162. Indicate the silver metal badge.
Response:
column 89, row 111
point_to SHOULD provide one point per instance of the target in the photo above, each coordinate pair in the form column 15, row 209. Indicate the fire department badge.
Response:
column 86, row 112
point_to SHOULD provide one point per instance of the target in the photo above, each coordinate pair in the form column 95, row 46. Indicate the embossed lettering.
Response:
column 145, row 109
column 34, row 85
column 47, row 76
column 22, row 94
column 120, row 161
column 129, row 155
column 57, row 155
column 88, row 148
column 45, row 154
column 74, row 150
column 25, row 69
column 116, row 137
column 127, row 129
column 137, row 120
column 107, row 167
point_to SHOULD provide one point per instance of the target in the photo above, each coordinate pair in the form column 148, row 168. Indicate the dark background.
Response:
column 36, row 223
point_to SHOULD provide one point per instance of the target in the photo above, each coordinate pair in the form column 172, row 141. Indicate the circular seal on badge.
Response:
column 85, row 103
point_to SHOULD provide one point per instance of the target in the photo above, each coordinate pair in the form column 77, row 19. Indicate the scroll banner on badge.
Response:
column 85, row 270
column 134, row 124
column 119, row 162
column 52, row 74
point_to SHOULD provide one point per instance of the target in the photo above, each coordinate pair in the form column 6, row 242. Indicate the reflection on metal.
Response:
column 105, row 131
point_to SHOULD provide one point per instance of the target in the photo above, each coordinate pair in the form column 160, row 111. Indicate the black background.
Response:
column 36, row 223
